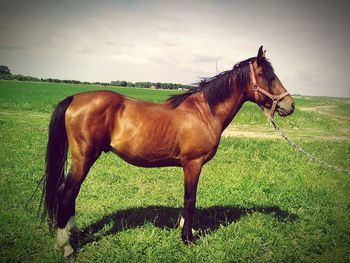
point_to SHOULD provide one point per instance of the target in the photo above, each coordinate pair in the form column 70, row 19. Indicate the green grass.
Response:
column 258, row 200
column 43, row 96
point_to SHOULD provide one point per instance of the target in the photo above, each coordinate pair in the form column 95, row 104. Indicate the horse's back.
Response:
column 99, row 97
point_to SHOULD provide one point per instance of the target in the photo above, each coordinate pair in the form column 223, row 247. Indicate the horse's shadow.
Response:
column 206, row 220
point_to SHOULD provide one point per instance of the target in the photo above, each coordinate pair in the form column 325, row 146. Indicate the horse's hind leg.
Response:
column 67, row 195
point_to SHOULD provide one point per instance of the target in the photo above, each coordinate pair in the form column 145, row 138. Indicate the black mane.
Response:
column 216, row 89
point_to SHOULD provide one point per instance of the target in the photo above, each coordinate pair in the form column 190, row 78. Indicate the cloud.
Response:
column 177, row 41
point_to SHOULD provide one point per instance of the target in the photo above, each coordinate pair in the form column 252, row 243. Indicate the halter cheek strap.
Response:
column 257, row 89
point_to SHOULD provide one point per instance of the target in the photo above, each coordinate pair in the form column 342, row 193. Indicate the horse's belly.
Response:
column 148, row 161
column 147, row 155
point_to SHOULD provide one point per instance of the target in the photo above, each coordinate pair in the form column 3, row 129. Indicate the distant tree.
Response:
column 123, row 83
column 24, row 78
column 4, row 70
column 130, row 84
column 6, row 76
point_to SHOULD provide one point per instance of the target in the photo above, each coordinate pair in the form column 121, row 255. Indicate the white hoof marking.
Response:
column 182, row 222
column 67, row 251
column 62, row 238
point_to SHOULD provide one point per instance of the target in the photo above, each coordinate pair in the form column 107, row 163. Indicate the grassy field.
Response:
column 259, row 200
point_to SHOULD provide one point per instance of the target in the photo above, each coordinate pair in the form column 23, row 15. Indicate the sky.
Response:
column 307, row 42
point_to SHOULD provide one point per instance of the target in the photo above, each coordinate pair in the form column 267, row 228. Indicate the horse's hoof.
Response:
column 187, row 239
column 67, row 251
column 188, row 242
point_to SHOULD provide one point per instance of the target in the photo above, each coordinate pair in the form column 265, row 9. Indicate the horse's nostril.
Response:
column 293, row 105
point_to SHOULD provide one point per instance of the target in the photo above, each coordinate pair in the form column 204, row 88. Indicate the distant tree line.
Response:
column 155, row 85
column 6, row 74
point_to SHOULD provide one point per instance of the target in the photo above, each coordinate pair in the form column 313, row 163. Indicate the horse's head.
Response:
column 266, row 89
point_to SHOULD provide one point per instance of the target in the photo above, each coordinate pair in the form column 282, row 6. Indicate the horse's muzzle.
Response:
column 285, row 109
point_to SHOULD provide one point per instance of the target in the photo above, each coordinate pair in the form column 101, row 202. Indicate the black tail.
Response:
column 56, row 157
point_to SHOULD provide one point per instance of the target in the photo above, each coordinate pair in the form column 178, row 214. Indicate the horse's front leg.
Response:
column 192, row 171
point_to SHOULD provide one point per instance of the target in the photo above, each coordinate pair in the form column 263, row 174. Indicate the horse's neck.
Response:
column 227, row 110
column 222, row 114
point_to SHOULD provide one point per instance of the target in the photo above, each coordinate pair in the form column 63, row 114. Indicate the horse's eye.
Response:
column 260, row 74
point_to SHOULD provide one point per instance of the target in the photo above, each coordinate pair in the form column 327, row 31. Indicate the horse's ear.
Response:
column 260, row 56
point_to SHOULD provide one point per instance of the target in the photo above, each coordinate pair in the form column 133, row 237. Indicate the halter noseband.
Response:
column 257, row 89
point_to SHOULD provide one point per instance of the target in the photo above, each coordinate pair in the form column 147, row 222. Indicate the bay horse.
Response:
column 183, row 131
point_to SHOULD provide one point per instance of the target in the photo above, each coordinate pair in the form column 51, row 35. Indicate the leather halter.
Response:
column 257, row 89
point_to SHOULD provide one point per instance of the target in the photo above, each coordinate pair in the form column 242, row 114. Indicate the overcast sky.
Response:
column 178, row 41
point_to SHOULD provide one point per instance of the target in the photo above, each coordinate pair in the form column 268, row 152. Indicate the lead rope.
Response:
column 299, row 148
